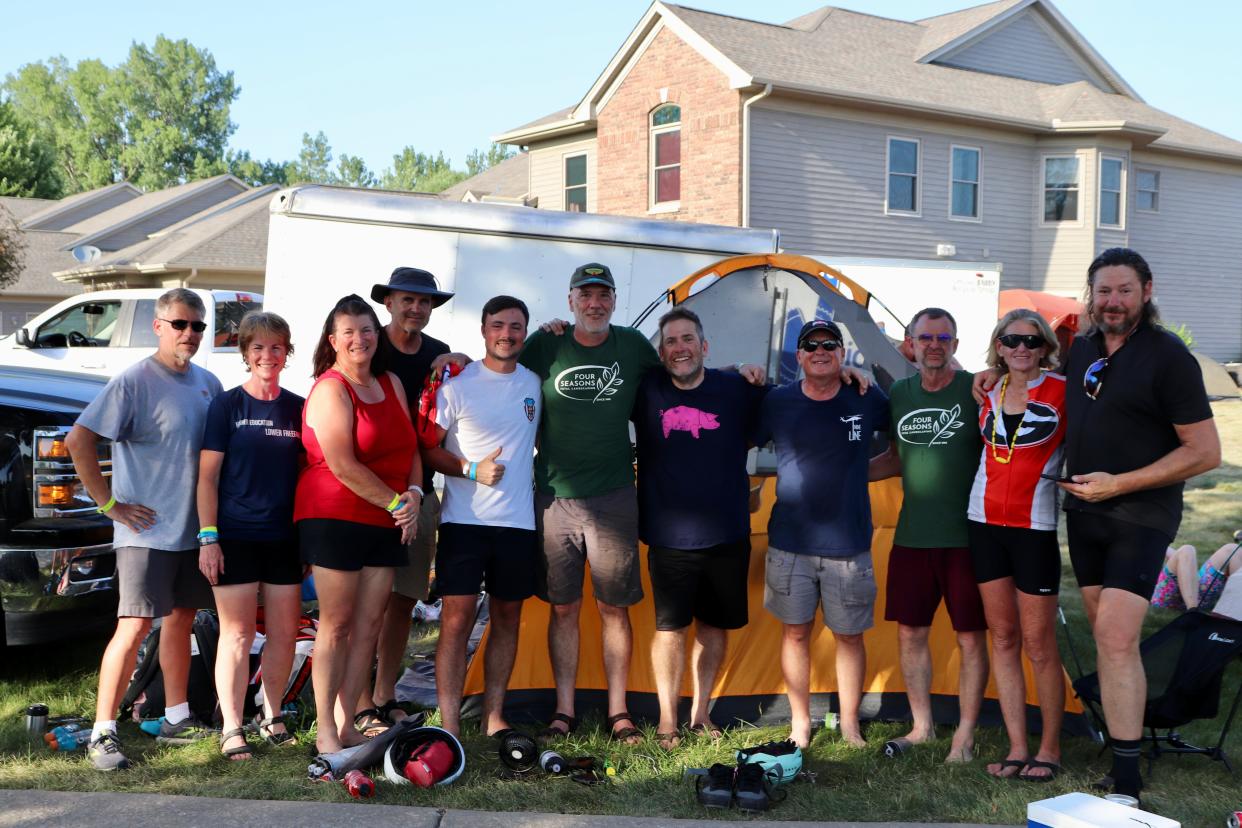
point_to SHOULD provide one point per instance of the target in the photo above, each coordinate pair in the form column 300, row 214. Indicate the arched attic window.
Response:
column 665, row 183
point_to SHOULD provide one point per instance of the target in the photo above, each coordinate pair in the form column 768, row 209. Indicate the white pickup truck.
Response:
column 106, row 331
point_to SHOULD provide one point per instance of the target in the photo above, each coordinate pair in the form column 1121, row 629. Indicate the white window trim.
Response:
column 918, row 175
column 565, row 186
column 978, row 218
column 1043, row 178
column 1121, row 195
column 654, row 206
column 1138, row 171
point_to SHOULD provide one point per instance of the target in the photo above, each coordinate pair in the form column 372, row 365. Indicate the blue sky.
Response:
column 376, row 76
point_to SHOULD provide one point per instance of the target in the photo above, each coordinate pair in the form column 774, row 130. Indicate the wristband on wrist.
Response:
column 103, row 510
column 394, row 503
column 209, row 530
column 474, row 471
column 465, row 468
column 416, row 488
column 208, row 540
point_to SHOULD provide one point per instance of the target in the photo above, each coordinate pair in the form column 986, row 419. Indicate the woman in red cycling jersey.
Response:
column 1013, row 534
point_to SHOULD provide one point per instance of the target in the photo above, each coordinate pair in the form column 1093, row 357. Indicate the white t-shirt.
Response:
column 482, row 410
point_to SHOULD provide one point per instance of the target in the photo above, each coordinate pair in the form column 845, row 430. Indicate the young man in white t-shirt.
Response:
column 486, row 419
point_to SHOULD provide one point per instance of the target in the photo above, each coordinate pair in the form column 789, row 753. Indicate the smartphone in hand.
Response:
column 1056, row 479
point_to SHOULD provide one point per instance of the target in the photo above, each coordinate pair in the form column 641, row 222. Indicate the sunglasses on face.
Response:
column 1031, row 341
column 182, row 324
column 826, row 344
column 942, row 338
column 1093, row 379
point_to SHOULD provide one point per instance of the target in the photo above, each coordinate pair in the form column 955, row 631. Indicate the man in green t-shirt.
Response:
column 585, row 502
column 935, row 447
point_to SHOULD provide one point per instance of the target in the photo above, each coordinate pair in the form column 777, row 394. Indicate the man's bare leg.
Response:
column 618, row 648
column 175, row 654
column 394, row 637
column 710, row 645
column 796, row 668
column 563, row 652
column 851, row 671
column 916, row 670
column 971, row 681
column 668, row 662
column 1123, row 683
column 117, row 666
column 456, row 620
column 505, row 622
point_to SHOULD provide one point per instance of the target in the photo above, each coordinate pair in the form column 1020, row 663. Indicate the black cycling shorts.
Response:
column 503, row 560
column 704, row 584
column 1115, row 554
column 349, row 546
column 1030, row 556
column 268, row 562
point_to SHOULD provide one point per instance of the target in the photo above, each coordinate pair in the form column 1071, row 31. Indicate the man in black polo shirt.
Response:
column 1138, row 425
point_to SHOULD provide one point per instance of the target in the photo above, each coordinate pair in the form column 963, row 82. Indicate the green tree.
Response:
column 158, row 119
column 256, row 173
column 420, row 172
column 478, row 160
column 314, row 164
column 352, row 172
column 12, row 249
column 27, row 161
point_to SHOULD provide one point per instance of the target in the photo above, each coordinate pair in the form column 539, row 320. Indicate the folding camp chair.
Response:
column 1185, row 663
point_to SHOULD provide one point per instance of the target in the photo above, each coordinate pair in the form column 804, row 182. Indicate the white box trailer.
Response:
column 327, row 242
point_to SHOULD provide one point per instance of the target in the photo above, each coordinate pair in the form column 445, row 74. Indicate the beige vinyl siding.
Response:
column 547, row 171
column 1024, row 48
column 168, row 216
column 1194, row 246
column 1061, row 251
column 822, row 181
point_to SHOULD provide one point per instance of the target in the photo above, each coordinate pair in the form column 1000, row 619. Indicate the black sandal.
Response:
column 549, row 733
column 371, row 722
column 274, row 739
column 386, row 710
column 243, row 749
column 625, row 733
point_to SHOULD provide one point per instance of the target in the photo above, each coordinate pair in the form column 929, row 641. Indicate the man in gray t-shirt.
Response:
column 154, row 413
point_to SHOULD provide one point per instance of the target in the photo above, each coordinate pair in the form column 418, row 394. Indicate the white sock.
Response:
column 177, row 713
column 101, row 728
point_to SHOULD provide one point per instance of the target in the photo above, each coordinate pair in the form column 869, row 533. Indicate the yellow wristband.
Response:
column 392, row 505
column 103, row 510
column 209, row 530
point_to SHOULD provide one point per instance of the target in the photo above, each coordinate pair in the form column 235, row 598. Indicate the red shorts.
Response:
column 919, row 578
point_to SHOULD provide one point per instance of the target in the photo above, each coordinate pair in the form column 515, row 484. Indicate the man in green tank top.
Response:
column 935, row 447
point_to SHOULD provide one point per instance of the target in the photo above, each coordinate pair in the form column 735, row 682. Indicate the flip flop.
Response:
column 896, row 748
column 1009, row 763
column 709, row 730
column 1052, row 767
column 668, row 741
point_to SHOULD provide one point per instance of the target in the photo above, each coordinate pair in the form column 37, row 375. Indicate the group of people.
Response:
column 339, row 482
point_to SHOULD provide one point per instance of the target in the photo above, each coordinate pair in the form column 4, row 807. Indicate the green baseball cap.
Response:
column 592, row 274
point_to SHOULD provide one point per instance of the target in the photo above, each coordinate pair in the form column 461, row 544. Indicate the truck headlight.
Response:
column 61, row 492
column 51, row 448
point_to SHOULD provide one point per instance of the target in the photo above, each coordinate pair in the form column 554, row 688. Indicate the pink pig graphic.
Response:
column 685, row 418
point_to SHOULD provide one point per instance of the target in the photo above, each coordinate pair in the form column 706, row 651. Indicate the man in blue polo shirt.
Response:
column 819, row 535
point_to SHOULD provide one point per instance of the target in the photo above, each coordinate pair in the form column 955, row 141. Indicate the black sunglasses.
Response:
column 826, row 344
column 1031, row 341
column 182, row 324
column 942, row 338
column 1093, row 379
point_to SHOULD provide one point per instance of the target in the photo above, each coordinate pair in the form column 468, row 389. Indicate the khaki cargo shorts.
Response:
column 795, row 585
column 600, row 530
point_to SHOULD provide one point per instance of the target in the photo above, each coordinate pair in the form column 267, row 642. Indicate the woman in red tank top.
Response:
column 356, row 507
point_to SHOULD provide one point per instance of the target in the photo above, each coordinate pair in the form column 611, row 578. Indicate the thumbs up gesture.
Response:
column 489, row 471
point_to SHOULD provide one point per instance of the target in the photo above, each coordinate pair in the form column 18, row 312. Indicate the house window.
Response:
column 964, row 186
column 1147, row 184
column 576, row 183
column 903, row 176
column 1060, row 188
column 1110, row 191
column 666, row 156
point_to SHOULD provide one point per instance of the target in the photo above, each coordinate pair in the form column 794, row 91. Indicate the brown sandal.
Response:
column 550, row 733
column 625, row 734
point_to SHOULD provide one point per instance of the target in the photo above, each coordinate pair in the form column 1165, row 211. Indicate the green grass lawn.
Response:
column 852, row 785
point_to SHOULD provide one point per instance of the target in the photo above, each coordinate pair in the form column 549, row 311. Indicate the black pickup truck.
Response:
column 56, row 558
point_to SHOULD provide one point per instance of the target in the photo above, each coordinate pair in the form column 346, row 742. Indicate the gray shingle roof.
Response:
column 508, row 179
column 71, row 201
column 22, row 208
column 44, row 257
column 147, row 202
column 946, row 28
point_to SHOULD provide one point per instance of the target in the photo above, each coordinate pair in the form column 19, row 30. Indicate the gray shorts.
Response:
column 796, row 584
column 153, row 582
column 413, row 579
column 600, row 530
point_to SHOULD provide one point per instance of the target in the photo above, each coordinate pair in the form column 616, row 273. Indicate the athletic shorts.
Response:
column 151, row 583
column 413, row 579
column 349, row 546
column 1115, row 554
column 795, row 585
column 268, row 562
column 600, row 530
column 707, row 585
column 502, row 559
column 919, row 578
column 1030, row 556
column 1169, row 596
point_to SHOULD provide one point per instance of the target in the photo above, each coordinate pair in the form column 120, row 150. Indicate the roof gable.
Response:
column 79, row 207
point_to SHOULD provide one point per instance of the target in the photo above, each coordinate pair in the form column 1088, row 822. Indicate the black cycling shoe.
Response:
column 715, row 790
column 750, row 788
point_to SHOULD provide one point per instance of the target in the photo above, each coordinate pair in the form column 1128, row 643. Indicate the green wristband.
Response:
column 103, row 510
column 394, row 503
